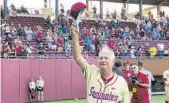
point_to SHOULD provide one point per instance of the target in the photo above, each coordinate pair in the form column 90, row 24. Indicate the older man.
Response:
column 103, row 85
column 166, row 81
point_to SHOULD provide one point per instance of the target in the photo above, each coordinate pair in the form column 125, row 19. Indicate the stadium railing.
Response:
column 87, row 57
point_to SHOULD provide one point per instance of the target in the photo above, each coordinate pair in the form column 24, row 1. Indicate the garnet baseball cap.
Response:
column 77, row 9
column 126, row 63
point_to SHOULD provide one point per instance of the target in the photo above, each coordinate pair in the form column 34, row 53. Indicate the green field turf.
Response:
column 155, row 99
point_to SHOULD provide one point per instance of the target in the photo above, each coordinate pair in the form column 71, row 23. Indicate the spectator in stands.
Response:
column 13, row 30
column 18, row 50
column 87, row 42
column 49, row 39
column 167, row 34
column 153, row 51
column 41, row 51
column 81, row 43
column 5, row 50
column 29, row 33
column 97, row 44
column 24, row 10
column 40, row 88
column 54, row 42
column 118, row 24
column 29, row 49
column 13, row 10
column 60, row 43
column 155, row 35
column 2, row 13
column 126, row 32
column 123, row 13
column 20, row 31
column 48, row 22
column 64, row 32
column 94, row 12
column 132, row 52
column 7, row 29
column 9, row 39
column 115, row 14
column 62, row 17
column 160, row 49
column 39, row 37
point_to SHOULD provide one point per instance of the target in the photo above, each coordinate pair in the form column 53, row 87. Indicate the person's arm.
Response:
column 80, row 60
column 145, row 84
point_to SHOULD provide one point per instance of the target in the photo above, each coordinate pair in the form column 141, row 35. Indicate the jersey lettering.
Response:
column 102, row 95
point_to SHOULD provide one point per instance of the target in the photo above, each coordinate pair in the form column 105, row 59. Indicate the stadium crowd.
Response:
column 34, row 37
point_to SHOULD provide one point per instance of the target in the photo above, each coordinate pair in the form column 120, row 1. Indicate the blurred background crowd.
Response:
column 37, row 37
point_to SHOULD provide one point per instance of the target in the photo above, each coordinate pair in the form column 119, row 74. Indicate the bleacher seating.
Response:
column 38, row 21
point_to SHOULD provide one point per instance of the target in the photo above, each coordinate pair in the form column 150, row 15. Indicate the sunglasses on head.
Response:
column 133, row 68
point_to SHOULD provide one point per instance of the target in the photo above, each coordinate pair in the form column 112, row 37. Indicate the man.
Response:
column 103, row 85
column 32, row 88
column 140, row 85
column 166, row 81
column 40, row 87
column 127, row 73
column 148, row 74
column 117, row 67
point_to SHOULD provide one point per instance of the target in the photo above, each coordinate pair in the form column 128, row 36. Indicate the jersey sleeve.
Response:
column 146, row 79
column 125, row 93
column 164, row 76
column 89, row 71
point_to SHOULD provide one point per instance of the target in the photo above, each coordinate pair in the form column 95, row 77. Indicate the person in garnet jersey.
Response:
column 39, row 37
column 127, row 73
column 6, row 49
column 60, row 43
column 18, row 49
column 140, row 85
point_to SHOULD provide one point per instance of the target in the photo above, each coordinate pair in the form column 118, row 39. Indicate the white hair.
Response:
column 106, row 49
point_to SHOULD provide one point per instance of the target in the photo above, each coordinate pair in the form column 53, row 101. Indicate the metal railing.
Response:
column 87, row 57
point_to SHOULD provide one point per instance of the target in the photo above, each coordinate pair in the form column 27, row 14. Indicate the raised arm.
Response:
column 80, row 60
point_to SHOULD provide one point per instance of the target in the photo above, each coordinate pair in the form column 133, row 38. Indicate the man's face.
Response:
column 126, row 66
column 105, row 61
column 135, row 69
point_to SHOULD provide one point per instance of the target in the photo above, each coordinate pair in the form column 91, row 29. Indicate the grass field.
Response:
column 155, row 99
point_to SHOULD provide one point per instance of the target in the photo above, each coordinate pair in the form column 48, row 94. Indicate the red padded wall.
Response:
column 63, row 74
column 78, row 84
column 24, row 79
column 10, row 81
column 47, row 71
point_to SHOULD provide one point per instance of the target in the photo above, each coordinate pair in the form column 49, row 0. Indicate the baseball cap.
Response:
column 126, row 63
column 117, row 64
